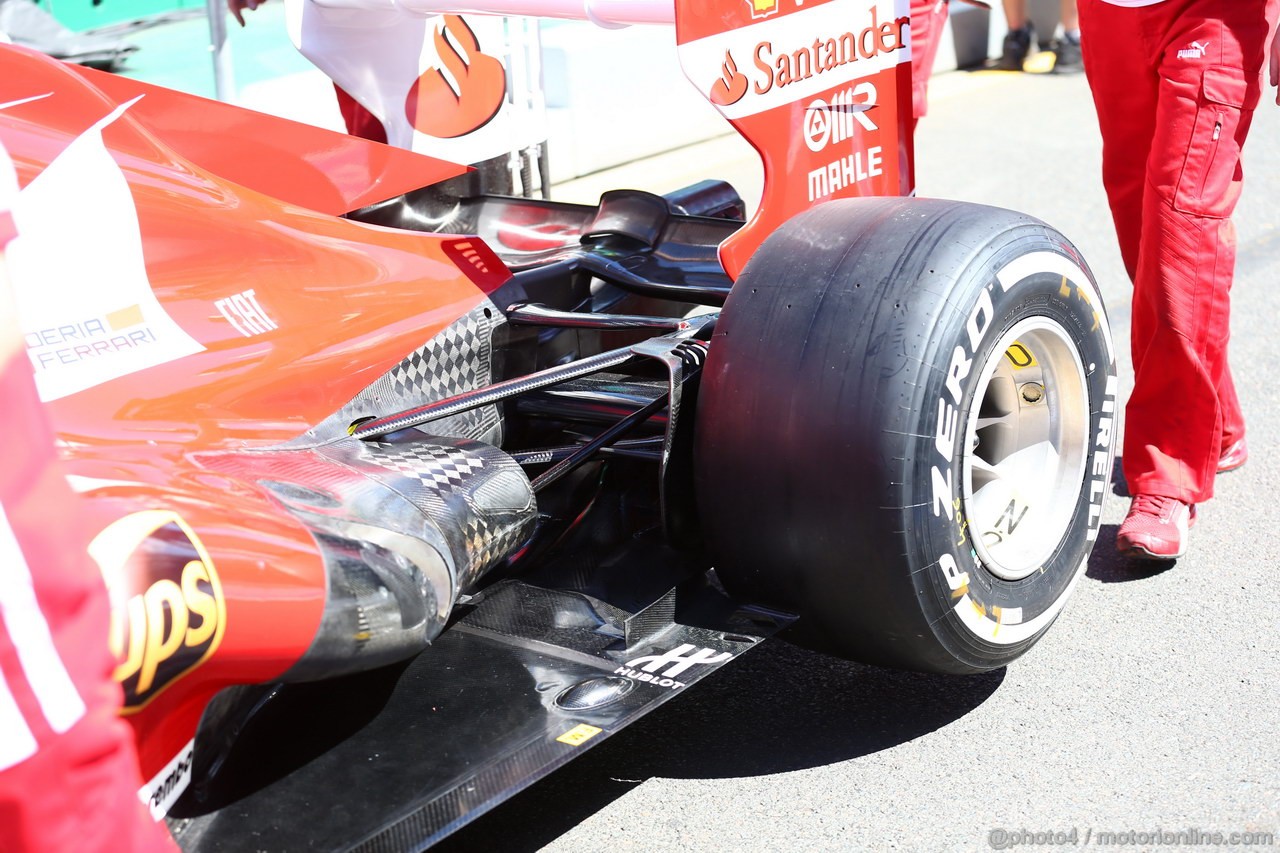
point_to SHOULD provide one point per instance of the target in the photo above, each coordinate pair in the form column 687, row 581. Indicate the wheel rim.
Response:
column 1026, row 448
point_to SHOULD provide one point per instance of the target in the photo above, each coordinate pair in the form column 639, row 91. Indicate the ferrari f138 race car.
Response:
column 406, row 494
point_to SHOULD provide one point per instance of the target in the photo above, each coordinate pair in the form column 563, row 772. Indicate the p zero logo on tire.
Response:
column 1029, row 483
column 174, row 615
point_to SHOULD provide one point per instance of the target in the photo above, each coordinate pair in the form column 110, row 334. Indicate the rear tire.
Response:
column 905, row 429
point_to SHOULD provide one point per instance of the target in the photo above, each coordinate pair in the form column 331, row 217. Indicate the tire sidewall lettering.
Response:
column 957, row 572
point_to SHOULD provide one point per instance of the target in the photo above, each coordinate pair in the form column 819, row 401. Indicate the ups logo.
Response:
column 174, row 620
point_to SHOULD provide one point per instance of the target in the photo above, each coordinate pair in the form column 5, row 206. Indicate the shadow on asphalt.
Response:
column 801, row 709
column 1106, row 566
column 1119, row 485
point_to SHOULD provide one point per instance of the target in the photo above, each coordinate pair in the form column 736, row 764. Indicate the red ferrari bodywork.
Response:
column 249, row 269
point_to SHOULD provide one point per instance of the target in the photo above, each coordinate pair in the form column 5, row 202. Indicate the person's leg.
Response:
column 1015, row 13
column 927, row 20
column 1124, row 81
column 1209, row 60
column 359, row 121
column 1067, row 49
column 1234, row 450
column 1017, row 42
column 1183, row 398
column 1121, row 62
column 1069, row 16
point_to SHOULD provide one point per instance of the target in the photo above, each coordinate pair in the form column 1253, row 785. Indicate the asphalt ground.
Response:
column 1150, row 709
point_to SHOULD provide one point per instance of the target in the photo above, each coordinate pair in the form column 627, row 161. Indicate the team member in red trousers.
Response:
column 68, row 770
column 1175, row 83
column 928, row 17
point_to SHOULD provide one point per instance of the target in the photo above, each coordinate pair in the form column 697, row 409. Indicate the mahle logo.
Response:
column 175, row 617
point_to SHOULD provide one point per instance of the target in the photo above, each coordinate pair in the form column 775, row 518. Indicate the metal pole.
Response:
column 224, row 84
column 494, row 393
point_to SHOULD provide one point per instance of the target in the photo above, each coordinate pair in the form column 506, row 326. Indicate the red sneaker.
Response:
column 1233, row 457
column 1155, row 528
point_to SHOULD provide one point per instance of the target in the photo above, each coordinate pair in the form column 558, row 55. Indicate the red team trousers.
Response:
column 68, row 770
column 928, row 17
column 1175, row 85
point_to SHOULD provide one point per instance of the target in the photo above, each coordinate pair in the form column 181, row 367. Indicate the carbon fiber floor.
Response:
column 397, row 759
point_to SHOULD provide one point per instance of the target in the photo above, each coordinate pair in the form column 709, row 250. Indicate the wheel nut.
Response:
column 1033, row 392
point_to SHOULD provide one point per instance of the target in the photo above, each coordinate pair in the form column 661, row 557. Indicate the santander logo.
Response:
column 779, row 66
column 730, row 88
column 468, row 96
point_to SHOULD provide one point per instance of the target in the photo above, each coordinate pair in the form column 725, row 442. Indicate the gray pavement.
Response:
column 1152, row 706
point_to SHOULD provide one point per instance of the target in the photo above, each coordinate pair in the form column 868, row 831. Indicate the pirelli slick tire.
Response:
column 905, row 430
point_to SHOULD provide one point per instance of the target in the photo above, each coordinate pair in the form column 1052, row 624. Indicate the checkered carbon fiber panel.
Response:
column 459, row 358
column 478, row 496
column 435, row 465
